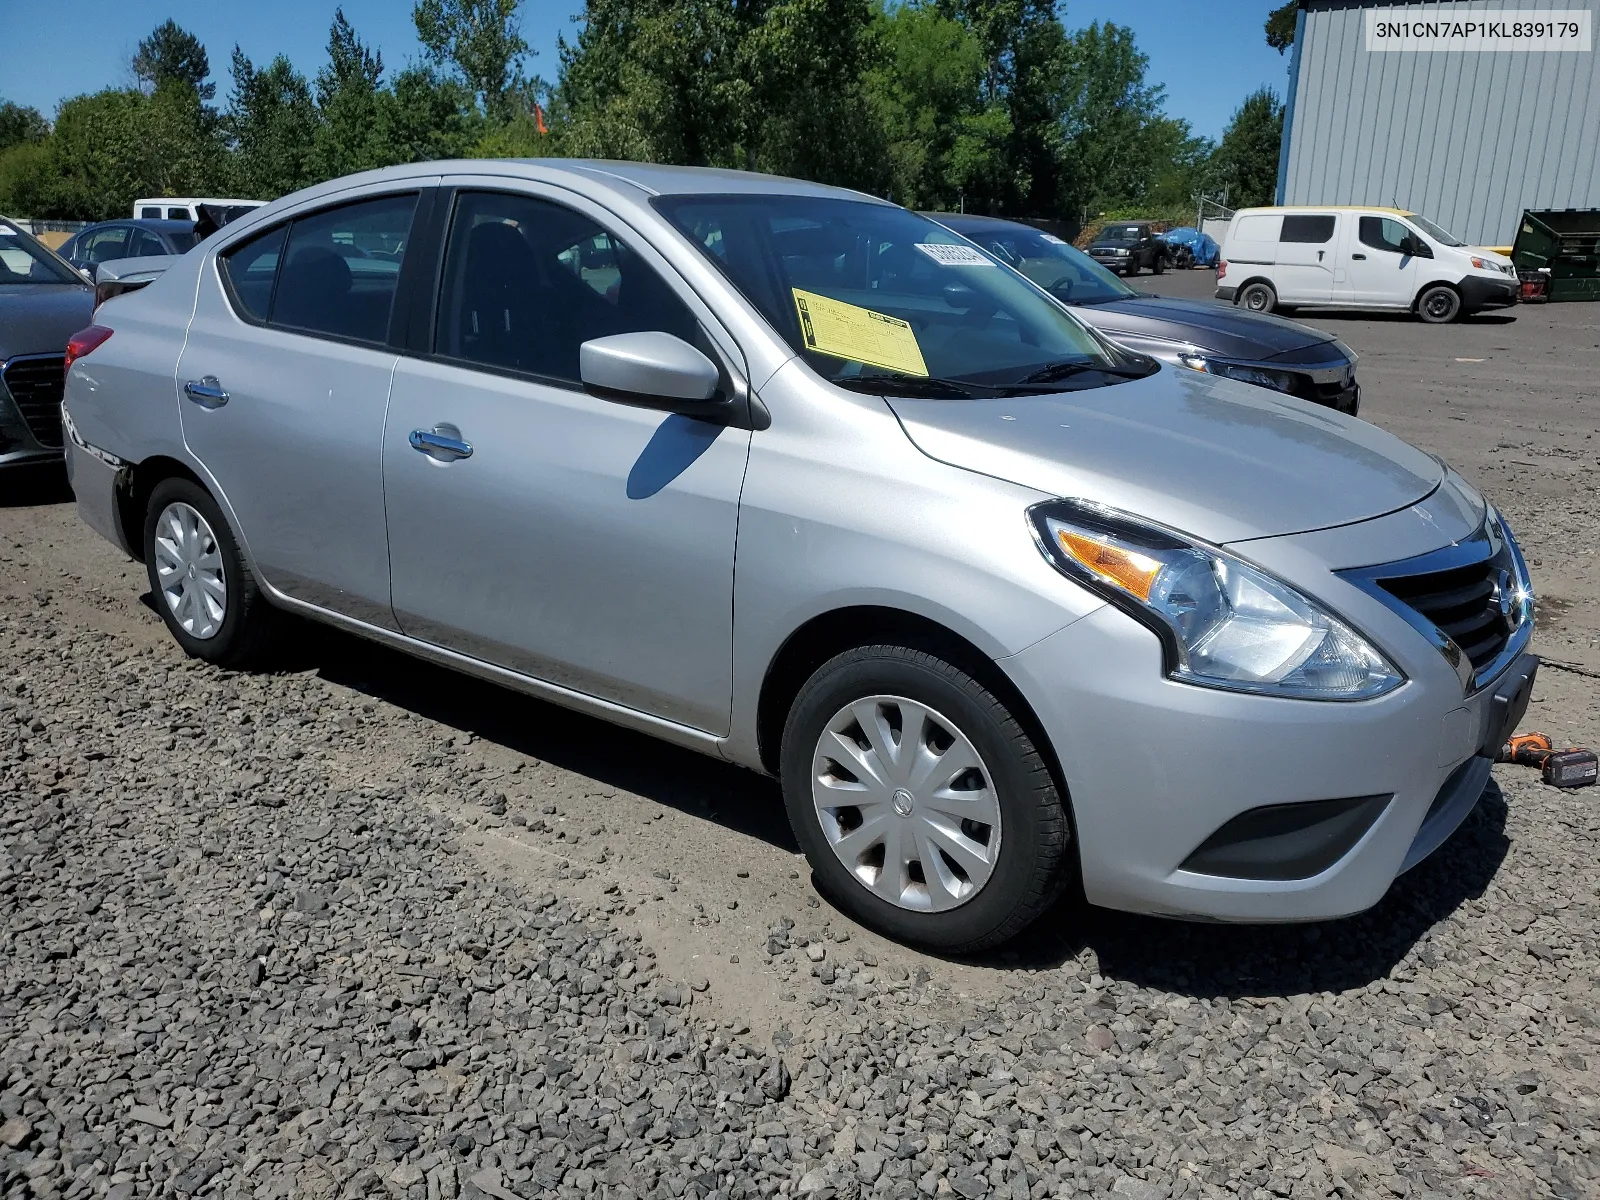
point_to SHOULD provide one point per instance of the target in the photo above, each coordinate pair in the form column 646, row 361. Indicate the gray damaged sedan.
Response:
column 800, row 479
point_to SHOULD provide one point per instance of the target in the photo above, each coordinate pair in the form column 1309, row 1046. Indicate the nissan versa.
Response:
column 801, row 479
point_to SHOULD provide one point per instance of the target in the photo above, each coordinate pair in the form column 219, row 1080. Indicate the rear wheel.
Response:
column 203, row 590
column 1439, row 304
column 1258, row 297
column 924, row 807
column 1158, row 264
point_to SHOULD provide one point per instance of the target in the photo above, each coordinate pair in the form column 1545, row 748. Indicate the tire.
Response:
column 1439, row 304
column 231, row 625
column 1017, row 827
column 1133, row 268
column 1158, row 265
column 1258, row 297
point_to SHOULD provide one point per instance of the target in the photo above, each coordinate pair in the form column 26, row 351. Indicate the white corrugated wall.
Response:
column 1468, row 139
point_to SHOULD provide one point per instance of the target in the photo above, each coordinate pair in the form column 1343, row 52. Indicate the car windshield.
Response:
column 1433, row 231
column 870, row 291
column 23, row 260
column 1119, row 235
column 1059, row 267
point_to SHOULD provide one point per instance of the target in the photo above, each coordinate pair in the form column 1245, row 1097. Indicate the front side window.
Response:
column 528, row 281
column 1384, row 233
column 179, row 214
column 153, row 214
column 341, row 268
column 1300, row 227
column 870, row 291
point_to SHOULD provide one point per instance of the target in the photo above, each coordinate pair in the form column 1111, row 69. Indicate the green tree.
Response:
column 171, row 52
column 28, row 183
column 349, row 136
column 1112, row 121
column 422, row 117
column 111, row 147
column 1181, row 164
column 480, row 38
column 20, row 124
column 1246, row 160
column 274, row 124
column 926, row 94
column 1281, row 25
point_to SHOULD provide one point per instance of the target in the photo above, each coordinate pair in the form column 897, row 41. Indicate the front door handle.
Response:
column 1361, row 257
column 440, row 444
column 206, row 392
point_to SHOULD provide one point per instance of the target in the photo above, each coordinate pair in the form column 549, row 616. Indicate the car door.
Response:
column 1381, row 270
column 283, row 384
column 533, row 525
column 1306, row 254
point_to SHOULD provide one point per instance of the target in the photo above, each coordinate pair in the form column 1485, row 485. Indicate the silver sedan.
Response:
column 798, row 478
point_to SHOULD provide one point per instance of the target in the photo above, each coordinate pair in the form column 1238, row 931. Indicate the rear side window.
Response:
column 333, row 273
column 1298, row 227
column 250, row 270
column 144, row 243
column 341, row 269
column 1257, row 227
column 526, row 282
column 179, row 214
column 150, row 213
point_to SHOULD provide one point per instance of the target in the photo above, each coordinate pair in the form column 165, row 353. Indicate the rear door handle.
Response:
column 1362, row 257
column 440, row 445
column 206, row 392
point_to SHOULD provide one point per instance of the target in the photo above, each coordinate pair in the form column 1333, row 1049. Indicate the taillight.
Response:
column 1222, row 267
column 85, row 341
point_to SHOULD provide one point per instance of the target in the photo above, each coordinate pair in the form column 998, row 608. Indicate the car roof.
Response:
column 1377, row 208
column 149, row 223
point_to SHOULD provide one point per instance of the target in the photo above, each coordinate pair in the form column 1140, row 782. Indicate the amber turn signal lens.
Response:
column 1133, row 572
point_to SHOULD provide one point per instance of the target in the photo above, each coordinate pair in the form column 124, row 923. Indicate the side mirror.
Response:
column 653, row 369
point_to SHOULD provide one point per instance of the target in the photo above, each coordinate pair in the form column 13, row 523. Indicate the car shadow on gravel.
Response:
column 31, row 486
column 1213, row 960
column 692, row 783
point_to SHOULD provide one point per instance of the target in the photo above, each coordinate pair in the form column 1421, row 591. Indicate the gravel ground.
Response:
column 362, row 927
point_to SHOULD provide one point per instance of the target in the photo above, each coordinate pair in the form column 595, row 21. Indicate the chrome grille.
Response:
column 35, row 382
column 1464, row 603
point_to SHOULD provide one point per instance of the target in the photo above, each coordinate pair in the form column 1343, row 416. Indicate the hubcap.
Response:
column 906, row 803
column 1438, row 304
column 189, row 570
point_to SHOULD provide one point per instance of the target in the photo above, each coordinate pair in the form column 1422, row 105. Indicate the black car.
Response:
column 1205, row 336
column 43, row 302
column 135, row 238
column 1128, row 247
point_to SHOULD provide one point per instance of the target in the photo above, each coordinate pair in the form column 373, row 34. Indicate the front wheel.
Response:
column 203, row 589
column 1439, row 304
column 1258, row 298
column 1158, row 266
column 924, row 807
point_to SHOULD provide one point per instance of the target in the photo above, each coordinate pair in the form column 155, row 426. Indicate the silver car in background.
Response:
column 798, row 478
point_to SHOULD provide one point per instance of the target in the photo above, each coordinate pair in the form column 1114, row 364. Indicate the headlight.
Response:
column 1489, row 264
column 1120, row 250
column 1278, row 381
column 1223, row 623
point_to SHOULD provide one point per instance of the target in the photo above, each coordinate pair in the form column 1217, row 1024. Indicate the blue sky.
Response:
column 1208, row 55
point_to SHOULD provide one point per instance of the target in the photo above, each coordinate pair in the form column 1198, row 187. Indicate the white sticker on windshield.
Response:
column 1053, row 239
column 955, row 256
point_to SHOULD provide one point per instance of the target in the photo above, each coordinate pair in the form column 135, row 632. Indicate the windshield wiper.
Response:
column 908, row 385
column 1065, row 370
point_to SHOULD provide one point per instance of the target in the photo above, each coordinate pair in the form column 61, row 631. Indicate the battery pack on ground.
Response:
column 1570, row 768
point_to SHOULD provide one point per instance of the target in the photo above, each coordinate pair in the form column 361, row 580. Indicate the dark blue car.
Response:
column 108, row 240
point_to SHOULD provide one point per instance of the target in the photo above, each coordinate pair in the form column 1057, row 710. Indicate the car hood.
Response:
column 1221, row 329
column 1221, row 460
column 38, row 318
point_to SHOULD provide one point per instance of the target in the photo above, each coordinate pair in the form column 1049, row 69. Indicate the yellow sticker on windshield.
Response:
column 848, row 331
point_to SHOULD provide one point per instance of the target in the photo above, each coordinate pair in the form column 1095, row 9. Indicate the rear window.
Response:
column 1299, row 227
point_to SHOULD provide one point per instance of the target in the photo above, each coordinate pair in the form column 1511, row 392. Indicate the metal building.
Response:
column 1468, row 138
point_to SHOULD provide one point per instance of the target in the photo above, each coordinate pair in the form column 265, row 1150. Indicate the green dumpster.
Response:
column 1566, row 243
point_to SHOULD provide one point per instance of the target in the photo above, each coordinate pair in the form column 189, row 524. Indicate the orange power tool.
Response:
column 1569, row 768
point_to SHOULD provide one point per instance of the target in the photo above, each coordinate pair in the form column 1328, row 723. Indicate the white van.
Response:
column 1275, row 259
column 182, row 208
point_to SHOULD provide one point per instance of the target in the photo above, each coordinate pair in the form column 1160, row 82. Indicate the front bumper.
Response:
column 1112, row 262
column 1339, row 798
column 1479, row 293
